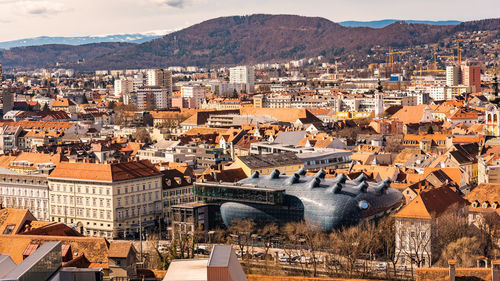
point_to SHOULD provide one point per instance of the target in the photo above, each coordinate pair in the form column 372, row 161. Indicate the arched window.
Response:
column 489, row 117
column 495, row 118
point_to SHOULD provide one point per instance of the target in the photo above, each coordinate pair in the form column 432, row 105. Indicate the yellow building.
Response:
column 287, row 163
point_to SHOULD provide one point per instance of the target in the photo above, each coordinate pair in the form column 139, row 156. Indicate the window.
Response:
column 9, row 229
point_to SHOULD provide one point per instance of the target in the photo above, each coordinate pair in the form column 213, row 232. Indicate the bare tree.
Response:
column 241, row 235
column 464, row 251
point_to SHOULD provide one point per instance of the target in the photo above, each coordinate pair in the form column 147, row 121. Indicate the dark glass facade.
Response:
column 323, row 203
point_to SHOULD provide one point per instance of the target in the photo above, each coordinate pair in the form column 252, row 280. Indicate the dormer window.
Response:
column 495, row 205
column 475, row 204
column 486, row 204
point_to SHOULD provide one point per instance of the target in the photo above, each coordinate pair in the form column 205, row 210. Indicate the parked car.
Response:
column 401, row 268
column 381, row 266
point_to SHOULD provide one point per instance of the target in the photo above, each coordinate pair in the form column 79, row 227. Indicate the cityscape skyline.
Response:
column 32, row 18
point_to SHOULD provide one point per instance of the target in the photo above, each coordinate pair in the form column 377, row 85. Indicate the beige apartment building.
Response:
column 106, row 200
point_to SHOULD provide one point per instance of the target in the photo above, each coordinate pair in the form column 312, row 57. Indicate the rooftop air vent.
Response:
column 320, row 174
column 301, row 172
column 362, row 187
column 275, row 174
column 341, row 178
column 361, row 178
column 293, row 178
column 314, row 183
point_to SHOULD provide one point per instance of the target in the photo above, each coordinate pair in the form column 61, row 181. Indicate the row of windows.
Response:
column 85, row 201
column 24, row 181
column 136, row 188
column 135, row 211
column 80, row 212
column 80, row 189
column 133, row 199
column 22, row 192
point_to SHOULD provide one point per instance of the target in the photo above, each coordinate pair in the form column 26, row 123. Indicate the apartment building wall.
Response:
column 106, row 209
column 24, row 191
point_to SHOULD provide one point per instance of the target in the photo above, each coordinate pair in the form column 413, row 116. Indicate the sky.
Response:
column 32, row 18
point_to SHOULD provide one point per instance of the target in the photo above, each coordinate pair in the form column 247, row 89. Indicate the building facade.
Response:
column 25, row 191
column 107, row 200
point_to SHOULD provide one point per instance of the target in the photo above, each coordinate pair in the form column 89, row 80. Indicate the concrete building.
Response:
column 471, row 76
column 196, row 93
column 452, row 75
column 159, row 78
column 123, row 86
column 243, row 75
column 107, row 200
column 25, row 191
column 153, row 97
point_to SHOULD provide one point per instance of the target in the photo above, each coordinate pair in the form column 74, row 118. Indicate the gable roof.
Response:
column 431, row 203
column 120, row 249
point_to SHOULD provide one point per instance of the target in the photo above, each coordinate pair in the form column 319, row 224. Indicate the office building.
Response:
column 107, row 200
column 243, row 75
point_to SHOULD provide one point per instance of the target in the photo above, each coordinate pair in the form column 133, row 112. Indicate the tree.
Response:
column 141, row 135
column 313, row 239
column 240, row 233
column 45, row 107
column 464, row 251
column 268, row 232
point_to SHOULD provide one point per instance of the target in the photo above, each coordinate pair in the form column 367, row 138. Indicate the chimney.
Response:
column 452, row 269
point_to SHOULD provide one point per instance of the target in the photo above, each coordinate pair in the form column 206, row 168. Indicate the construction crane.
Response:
column 427, row 70
column 450, row 57
column 459, row 51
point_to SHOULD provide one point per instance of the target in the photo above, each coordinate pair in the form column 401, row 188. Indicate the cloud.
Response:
column 44, row 8
column 180, row 4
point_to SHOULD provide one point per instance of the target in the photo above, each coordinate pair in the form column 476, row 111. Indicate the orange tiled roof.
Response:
column 104, row 172
column 120, row 249
column 431, row 203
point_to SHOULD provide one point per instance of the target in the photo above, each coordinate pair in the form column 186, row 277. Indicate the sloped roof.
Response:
column 410, row 114
column 15, row 218
column 431, row 203
column 292, row 137
column 120, row 249
column 104, row 172
column 270, row 160
column 94, row 248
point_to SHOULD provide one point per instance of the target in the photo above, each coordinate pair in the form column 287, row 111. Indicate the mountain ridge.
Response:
column 226, row 41
column 386, row 22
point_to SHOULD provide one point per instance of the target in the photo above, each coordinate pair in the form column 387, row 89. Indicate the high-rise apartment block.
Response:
column 197, row 93
column 123, row 86
column 243, row 75
column 471, row 76
column 153, row 97
column 159, row 78
column 452, row 75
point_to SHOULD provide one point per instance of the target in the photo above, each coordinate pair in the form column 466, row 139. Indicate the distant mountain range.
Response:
column 81, row 40
column 148, row 36
column 386, row 22
column 237, row 40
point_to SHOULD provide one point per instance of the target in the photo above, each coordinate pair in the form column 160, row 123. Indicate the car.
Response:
column 381, row 266
column 401, row 268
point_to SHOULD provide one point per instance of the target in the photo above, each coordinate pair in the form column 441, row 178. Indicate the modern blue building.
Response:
column 321, row 202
